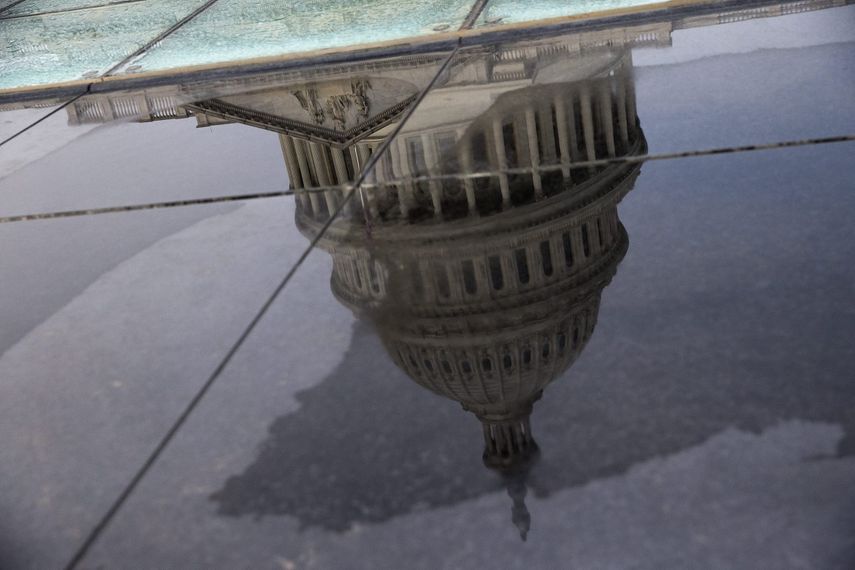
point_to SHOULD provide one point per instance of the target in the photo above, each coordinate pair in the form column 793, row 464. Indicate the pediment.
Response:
column 335, row 112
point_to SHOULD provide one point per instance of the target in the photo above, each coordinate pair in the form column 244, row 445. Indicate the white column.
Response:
column 621, row 108
column 293, row 168
column 342, row 177
column 630, row 104
column 370, row 198
column 303, row 163
column 340, row 165
column 587, row 124
column 606, row 117
column 534, row 155
column 305, row 174
column 404, row 188
column 291, row 164
column 434, row 185
column 502, row 160
column 571, row 126
column 322, row 170
column 563, row 137
column 468, row 183
column 356, row 160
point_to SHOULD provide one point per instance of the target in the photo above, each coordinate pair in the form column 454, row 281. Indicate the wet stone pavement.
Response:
column 569, row 297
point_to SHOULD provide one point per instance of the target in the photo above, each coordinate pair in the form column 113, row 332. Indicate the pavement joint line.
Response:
column 102, row 524
column 57, row 12
column 473, row 15
column 12, row 5
column 160, row 37
column 474, row 175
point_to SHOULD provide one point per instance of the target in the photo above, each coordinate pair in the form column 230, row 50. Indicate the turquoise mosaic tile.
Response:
column 40, row 6
column 54, row 48
column 515, row 11
column 233, row 30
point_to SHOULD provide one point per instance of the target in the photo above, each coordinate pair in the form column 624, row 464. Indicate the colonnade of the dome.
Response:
column 478, row 249
column 455, row 170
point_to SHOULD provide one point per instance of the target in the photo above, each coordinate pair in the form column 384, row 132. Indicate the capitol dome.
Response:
column 485, row 289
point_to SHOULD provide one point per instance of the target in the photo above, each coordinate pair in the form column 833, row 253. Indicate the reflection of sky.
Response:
column 76, row 45
column 232, row 30
column 835, row 25
column 761, row 97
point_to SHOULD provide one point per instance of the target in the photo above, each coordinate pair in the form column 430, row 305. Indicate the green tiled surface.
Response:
column 40, row 6
column 54, row 48
column 233, row 30
column 514, row 11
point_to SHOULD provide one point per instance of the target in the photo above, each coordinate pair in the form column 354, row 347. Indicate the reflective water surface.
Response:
column 516, row 342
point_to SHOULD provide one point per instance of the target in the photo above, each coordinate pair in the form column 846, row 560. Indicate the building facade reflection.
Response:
column 481, row 253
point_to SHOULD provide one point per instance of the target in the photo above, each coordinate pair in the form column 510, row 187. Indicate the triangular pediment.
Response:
column 335, row 112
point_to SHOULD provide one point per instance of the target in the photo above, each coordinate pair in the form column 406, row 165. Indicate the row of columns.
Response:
column 442, row 369
column 545, row 132
column 486, row 276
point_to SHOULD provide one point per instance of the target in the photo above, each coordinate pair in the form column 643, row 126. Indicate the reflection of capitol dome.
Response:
column 495, row 293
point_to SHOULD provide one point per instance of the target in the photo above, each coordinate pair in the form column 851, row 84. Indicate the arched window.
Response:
column 526, row 356
column 466, row 367
column 586, row 245
column 469, row 282
column 522, row 265
column 487, row 364
column 568, row 249
column 561, row 341
column 545, row 351
column 496, row 272
column 441, row 280
column 356, row 276
column 372, row 276
column 507, row 361
column 546, row 257
column 416, row 280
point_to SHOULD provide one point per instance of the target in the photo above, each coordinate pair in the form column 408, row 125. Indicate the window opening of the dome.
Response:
column 586, row 246
column 417, row 156
column 568, row 249
column 469, row 281
column 522, row 266
column 496, row 272
column 372, row 275
column 442, row 280
column 546, row 257
column 356, row 274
